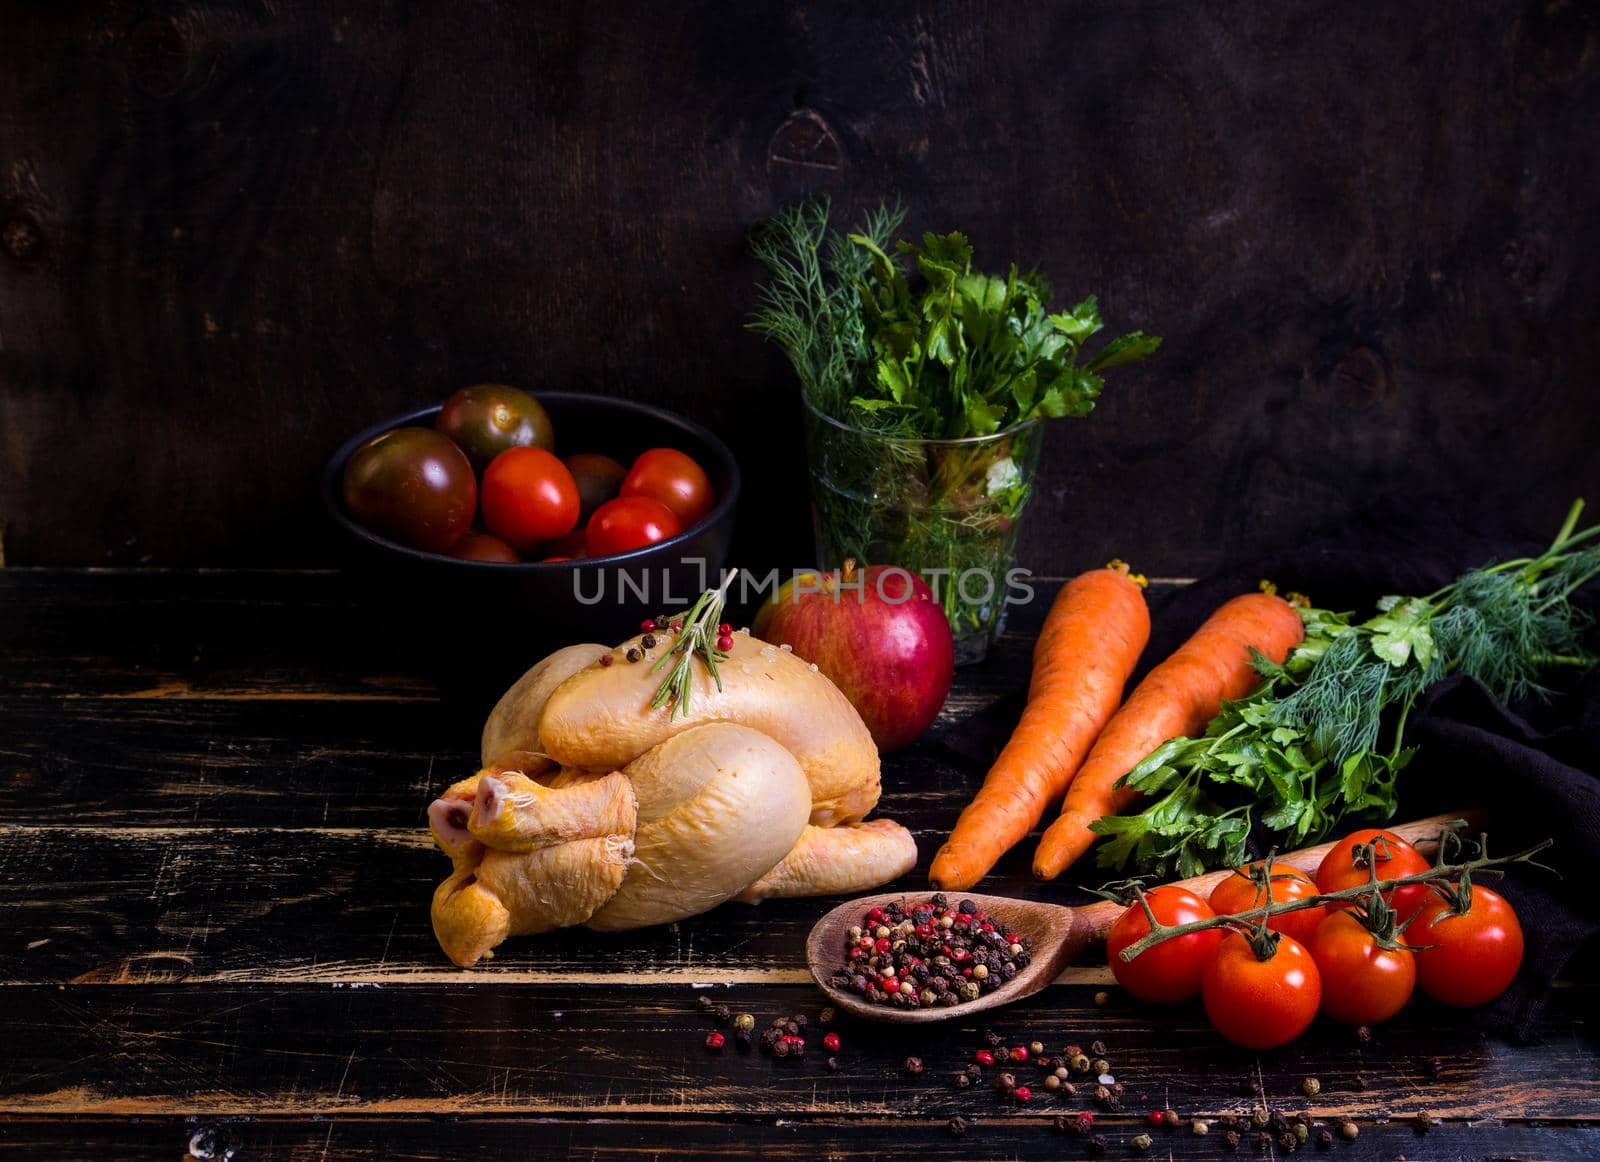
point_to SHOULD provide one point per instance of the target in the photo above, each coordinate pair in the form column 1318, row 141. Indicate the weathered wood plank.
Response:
column 613, row 1140
column 490, row 1049
column 333, row 904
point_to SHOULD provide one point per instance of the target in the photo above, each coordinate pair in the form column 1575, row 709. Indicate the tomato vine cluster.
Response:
column 1273, row 947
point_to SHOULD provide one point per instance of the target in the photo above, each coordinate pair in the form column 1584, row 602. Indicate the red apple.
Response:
column 878, row 634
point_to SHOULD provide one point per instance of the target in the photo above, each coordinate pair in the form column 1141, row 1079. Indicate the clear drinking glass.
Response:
column 947, row 510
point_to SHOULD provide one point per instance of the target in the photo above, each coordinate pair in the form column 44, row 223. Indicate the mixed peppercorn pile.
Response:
column 931, row 954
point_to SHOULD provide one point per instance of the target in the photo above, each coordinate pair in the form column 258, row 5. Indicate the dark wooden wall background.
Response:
column 234, row 232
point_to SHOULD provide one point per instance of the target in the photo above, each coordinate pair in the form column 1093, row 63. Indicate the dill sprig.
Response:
column 697, row 639
column 1323, row 735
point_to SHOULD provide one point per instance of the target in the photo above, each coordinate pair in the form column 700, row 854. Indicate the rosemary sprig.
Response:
column 698, row 638
column 1254, row 920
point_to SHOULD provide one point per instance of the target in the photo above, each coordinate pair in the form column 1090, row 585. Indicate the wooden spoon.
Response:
column 1058, row 933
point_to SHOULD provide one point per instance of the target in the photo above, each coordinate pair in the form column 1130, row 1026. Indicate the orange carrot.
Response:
column 1179, row 696
column 1091, row 640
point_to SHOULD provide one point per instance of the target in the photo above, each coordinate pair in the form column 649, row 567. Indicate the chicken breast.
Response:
column 838, row 861
column 600, row 717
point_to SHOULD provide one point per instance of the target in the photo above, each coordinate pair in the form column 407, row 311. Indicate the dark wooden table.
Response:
column 214, row 884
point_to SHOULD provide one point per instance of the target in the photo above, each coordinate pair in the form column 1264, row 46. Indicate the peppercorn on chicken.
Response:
column 594, row 808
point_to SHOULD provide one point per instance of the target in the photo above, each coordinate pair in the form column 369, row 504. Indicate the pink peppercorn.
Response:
column 648, row 625
column 830, row 1042
column 1020, row 1053
column 891, row 986
column 725, row 643
column 1022, row 1093
column 715, row 1041
column 983, row 1057
column 724, row 629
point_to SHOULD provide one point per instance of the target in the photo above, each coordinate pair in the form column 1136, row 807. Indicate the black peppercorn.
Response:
column 780, row 1049
column 1097, row 1048
column 1096, row 1146
column 723, row 1014
column 633, row 654
column 1324, row 1139
column 1288, row 1143
column 648, row 641
column 1230, row 1140
column 992, row 1039
column 913, row 1065
column 833, row 1065
column 958, row 1125
column 962, row 1080
column 1006, row 1082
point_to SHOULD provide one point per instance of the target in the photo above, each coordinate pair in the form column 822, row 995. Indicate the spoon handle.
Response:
column 1095, row 920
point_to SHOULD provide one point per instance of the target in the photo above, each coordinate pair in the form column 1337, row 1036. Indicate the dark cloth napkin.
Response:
column 1535, row 768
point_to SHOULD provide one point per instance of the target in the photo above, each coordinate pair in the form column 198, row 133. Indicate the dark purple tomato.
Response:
column 412, row 485
column 599, row 479
column 483, row 547
column 487, row 419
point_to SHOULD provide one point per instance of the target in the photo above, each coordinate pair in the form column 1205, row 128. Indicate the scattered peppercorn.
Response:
column 1102, row 999
column 1288, row 1143
column 1072, row 1051
column 744, row 1022
column 1170, row 1119
column 1348, row 1130
column 912, row 1065
column 633, row 654
column 983, row 1057
column 962, row 1080
column 833, row 1065
column 826, row 1016
column 1199, row 1127
column 1140, row 1142
column 1096, row 1146
column 1100, row 1065
column 1068, row 1089
column 1079, row 1063
column 830, row 1042
column 1260, row 1118
column 715, row 1041
column 1423, row 1122
column 1324, row 1139
column 606, row 659
column 1052, row 1082
column 1364, row 1034
column 992, row 1039
column 724, row 1014
column 1230, row 1140
column 1311, row 1087
column 958, row 1125
column 1020, row 1053
column 1153, row 1117
column 780, row 1049
column 1301, row 1131
column 1435, row 1067
column 703, row 1001
column 648, row 641
column 1036, row 1048
column 1023, row 1094
column 1006, row 1082
column 1098, row 1048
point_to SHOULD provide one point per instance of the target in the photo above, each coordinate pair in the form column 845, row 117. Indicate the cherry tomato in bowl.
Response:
column 528, row 497
column 1240, row 893
column 598, row 477
column 1395, row 859
column 1468, row 948
column 411, row 485
column 1170, row 971
column 1261, row 1002
column 483, row 547
column 488, row 418
column 675, row 480
column 628, row 523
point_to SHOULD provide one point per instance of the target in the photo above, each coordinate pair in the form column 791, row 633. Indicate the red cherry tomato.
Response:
column 1476, row 953
column 1239, row 893
column 1170, row 971
column 1261, row 1004
column 667, row 475
column 483, row 547
column 1396, row 859
column 528, row 496
column 1362, row 983
column 629, row 522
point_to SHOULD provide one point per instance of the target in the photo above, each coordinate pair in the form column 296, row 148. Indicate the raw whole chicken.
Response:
column 593, row 808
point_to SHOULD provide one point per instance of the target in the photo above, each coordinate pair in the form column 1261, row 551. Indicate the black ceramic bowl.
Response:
column 519, row 612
